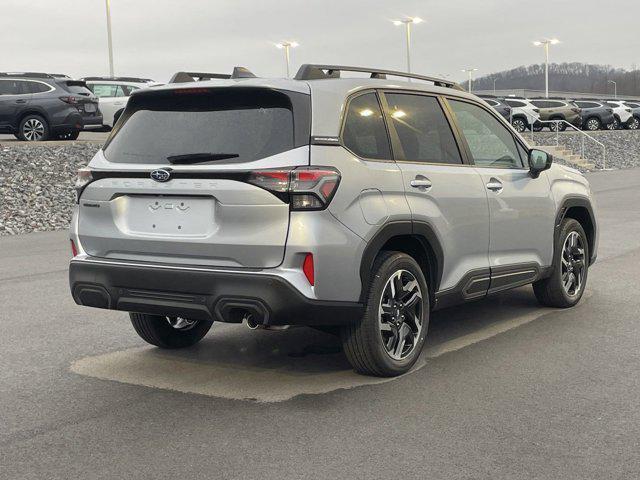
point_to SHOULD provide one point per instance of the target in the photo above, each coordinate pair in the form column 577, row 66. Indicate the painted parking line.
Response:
column 262, row 366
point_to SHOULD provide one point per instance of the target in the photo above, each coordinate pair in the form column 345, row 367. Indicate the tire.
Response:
column 373, row 346
column 33, row 128
column 157, row 330
column 538, row 128
column 592, row 124
column 552, row 292
column 634, row 123
column 615, row 125
column 519, row 125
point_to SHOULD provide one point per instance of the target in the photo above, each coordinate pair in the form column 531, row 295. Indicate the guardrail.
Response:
column 584, row 135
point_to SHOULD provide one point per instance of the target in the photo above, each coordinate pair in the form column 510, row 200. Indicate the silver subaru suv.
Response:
column 356, row 205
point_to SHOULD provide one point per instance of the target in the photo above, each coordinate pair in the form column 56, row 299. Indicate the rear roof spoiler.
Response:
column 186, row 77
column 319, row 72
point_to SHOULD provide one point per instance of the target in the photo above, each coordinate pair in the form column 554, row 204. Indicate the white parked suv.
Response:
column 622, row 113
column 113, row 93
column 524, row 114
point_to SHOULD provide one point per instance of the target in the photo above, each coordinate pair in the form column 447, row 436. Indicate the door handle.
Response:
column 494, row 185
column 22, row 100
column 420, row 182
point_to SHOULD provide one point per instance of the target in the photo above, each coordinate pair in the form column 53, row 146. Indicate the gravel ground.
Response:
column 36, row 185
column 622, row 146
column 36, row 181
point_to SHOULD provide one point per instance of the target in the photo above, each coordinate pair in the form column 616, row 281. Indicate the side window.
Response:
column 37, row 87
column 10, row 87
column 490, row 142
column 423, row 129
column 514, row 103
column 364, row 131
column 102, row 90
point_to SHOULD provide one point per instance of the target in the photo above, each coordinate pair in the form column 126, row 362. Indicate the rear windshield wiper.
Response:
column 199, row 158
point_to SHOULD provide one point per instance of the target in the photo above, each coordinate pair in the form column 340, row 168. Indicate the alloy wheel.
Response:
column 519, row 125
column 634, row 124
column 400, row 314
column 573, row 268
column 180, row 323
column 593, row 124
column 33, row 130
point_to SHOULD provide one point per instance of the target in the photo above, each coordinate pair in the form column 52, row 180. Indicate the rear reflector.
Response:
column 74, row 250
column 307, row 268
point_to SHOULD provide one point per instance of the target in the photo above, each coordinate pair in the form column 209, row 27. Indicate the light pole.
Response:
column 615, row 88
column 494, row 87
column 469, row 71
column 108, row 5
column 407, row 22
column 545, row 43
column 286, row 46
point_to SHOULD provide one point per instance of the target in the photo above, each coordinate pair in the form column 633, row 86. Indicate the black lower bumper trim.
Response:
column 210, row 295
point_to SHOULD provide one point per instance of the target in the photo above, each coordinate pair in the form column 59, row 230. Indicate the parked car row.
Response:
column 37, row 106
column 587, row 114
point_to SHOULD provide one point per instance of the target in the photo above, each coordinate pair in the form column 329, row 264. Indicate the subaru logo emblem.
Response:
column 161, row 175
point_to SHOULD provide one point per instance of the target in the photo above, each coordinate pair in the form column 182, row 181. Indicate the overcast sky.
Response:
column 155, row 38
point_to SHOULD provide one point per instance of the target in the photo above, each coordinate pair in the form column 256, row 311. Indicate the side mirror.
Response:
column 539, row 161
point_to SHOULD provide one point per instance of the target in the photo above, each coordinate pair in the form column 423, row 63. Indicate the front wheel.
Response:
column 169, row 332
column 565, row 286
column 634, row 123
column 388, row 340
column 519, row 125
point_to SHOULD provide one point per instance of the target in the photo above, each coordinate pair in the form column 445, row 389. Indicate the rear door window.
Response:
column 13, row 87
column 422, row 128
column 38, row 87
column 230, row 125
column 364, row 132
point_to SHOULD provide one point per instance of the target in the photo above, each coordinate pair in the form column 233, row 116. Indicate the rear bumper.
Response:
column 202, row 294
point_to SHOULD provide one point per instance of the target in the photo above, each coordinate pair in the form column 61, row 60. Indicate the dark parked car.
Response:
column 556, row 109
column 499, row 106
column 39, row 106
column 634, row 105
column 595, row 115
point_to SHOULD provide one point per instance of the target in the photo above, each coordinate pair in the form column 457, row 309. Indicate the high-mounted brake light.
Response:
column 308, row 188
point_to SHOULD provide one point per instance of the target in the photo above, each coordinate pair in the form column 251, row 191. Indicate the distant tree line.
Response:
column 565, row 77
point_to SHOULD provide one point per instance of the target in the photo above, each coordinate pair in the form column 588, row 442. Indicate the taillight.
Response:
column 307, row 268
column 69, row 99
column 83, row 179
column 74, row 250
column 308, row 188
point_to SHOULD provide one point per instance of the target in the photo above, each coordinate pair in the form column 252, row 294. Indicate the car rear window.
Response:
column 76, row 86
column 246, row 123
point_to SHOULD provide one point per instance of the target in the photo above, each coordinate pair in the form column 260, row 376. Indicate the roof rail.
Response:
column 186, row 77
column 26, row 74
column 318, row 72
column 119, row 79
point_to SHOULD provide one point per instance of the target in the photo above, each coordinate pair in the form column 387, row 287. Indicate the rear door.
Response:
column 522, row 209
column 111, row 97
column 14, row 96
column 209, row 149
column 442, row 191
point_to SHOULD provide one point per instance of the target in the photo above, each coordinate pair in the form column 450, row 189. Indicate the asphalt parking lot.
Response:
column 504, row 390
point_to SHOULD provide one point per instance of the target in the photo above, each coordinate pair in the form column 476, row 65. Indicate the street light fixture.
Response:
column 286, row 46
column 469, row 71
column 108, row 5
column 545, row 43
column 615, row 88
column 407, row 22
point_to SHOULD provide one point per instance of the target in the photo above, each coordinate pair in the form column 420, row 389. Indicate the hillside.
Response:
column 564, row 77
